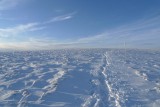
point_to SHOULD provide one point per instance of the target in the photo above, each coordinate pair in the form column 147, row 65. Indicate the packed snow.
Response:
column 80, row 78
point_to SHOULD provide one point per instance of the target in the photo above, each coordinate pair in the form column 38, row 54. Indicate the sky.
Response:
column 54, row 24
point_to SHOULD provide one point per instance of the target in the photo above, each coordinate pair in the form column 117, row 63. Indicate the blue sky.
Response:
column 52, row 24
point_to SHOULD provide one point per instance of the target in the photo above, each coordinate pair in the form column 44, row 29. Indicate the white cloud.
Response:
column 14, row 31
column 61, row 18
column 19, row 30
column 135, row 34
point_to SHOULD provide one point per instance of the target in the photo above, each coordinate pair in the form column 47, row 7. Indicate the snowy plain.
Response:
column 80, row 78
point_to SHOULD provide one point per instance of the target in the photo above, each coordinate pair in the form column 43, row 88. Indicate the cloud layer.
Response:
column 142, row 33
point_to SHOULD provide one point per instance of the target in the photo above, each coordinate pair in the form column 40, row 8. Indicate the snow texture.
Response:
column 80, row 78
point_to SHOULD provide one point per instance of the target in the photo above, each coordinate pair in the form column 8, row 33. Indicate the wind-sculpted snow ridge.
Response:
column 80, row 78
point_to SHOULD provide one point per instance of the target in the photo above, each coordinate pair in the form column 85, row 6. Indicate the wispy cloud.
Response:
column 140, row 34
column 7, row 4
column 22, row 28
column 14, row 31
column 136, row 34
column 61, row 18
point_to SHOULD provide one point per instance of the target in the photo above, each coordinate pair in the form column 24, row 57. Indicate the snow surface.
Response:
column 80, row 78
